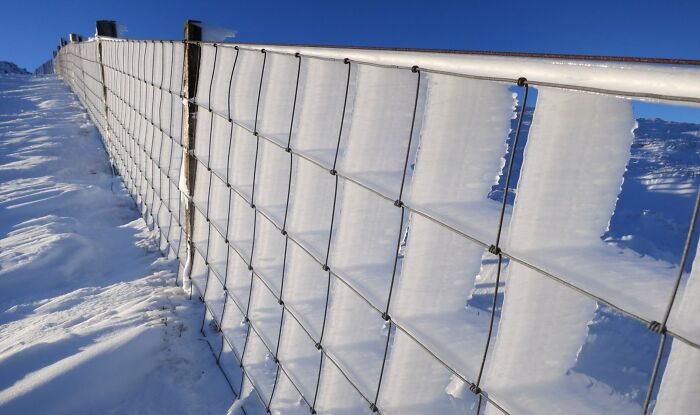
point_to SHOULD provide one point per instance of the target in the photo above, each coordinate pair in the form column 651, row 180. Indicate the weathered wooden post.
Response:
column 105, row 28
column 73, row 38
column 192, row 35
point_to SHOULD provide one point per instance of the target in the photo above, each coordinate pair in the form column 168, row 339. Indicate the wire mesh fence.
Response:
column 45, row 69
column 348, row 225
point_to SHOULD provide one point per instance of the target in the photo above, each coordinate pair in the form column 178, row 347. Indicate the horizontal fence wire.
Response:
column 130, row 137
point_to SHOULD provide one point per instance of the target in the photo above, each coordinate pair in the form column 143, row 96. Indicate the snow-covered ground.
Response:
column 91, row 320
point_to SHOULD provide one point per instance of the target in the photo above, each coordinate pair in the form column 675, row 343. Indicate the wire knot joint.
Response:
column 657, row 327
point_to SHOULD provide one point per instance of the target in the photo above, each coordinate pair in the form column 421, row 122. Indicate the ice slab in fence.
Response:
column 239, row 279
column 150, row 63
column 217, row 252
column 230, row 366
column 201, row 189
column 234, row 330
column 679, row 386
column 320, row 103
column 203, row 137
column 178, row 53
column 207, row 61
column 287, row 399
column 570, row 179
column 365, row 241
column 265, row 313
column 219, row 147
column 159, row 64
column 219, row 202
column 215, row 297
column 218, row 97
column 269, row 255
column 174, row 201
column 305, row 288
column 199, row 273
column 465, row 127
column 379, row 129
column 168, row 66
column 430, row 299
column 251, row 401
column 167, row 147
column 241, row 221
column 311, row 206
column 241, row 165
column 245, row 87
column 416, row 383
column 272, row 181
column 684, row 314
column 277, row 100
column 149, row 103
column 299, row 357
column 681, row 379
column 355, row 337
column 576, row 154
column 336, row 395
column 260, row 366
column 156, row 150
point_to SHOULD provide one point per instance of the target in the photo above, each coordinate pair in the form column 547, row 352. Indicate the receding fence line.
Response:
column 129, row 134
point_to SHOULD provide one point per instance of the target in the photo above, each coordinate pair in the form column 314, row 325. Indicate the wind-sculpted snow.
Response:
column 90, row 318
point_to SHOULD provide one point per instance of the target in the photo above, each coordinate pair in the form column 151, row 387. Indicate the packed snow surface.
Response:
column 90, row 318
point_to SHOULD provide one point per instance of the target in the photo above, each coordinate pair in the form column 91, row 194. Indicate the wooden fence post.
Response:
column 105, row 28
column 193, row 33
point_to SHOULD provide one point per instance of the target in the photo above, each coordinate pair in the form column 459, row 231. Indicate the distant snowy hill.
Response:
column 11, row 68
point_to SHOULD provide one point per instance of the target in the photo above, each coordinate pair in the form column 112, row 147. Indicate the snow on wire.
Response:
column 340, row 218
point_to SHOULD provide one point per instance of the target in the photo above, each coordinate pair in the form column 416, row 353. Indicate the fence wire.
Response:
column 135, row 93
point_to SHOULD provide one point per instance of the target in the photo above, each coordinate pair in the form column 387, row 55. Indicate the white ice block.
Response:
column 576, row 154
column 681, row 379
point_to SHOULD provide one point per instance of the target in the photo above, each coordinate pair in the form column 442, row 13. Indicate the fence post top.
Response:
column 107, row 28
column 193, row 30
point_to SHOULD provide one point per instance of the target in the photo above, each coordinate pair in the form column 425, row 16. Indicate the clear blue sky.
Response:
column 30, row 29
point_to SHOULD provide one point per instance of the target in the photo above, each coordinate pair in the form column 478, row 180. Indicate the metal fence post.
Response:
column 192, row 34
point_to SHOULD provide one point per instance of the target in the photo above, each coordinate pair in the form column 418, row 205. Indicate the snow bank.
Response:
column 90, row 318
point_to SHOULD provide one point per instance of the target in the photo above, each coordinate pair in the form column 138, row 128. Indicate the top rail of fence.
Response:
column 656, row 79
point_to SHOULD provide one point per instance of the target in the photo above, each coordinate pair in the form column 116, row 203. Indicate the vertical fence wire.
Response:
column 660, row 327
column 495, row 249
